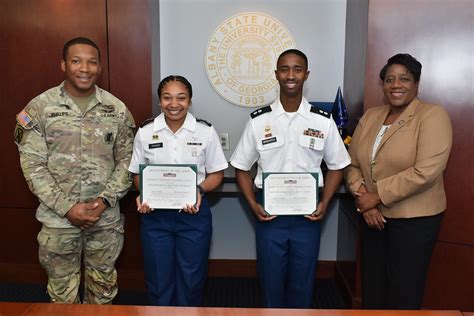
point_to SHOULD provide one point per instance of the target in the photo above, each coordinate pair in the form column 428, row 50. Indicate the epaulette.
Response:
column 320, row 111
column 203, row 122
column 260, row 111
column 147, row 121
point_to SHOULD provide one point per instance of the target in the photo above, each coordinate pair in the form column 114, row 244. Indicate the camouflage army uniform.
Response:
column 68, row 157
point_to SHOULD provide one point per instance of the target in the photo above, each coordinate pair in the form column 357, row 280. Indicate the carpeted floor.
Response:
column 219, row 292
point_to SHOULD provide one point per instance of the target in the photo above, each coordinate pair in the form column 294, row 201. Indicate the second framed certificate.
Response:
column 287, row 193
column 168, row 186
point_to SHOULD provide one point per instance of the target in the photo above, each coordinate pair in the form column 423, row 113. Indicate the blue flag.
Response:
column 339, row 111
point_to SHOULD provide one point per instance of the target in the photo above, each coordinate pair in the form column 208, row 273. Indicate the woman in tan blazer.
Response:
column 399, row 152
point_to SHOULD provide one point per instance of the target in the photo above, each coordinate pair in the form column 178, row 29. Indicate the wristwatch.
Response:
column 104, row 200
column 201, row 190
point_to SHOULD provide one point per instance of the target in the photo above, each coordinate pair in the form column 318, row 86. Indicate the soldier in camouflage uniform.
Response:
column 75, row 142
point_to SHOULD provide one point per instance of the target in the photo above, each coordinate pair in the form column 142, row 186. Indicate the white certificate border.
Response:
column 144, row 166
column 315, row 176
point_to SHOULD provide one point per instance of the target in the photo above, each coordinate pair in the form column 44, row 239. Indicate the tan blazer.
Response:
column 407, row 170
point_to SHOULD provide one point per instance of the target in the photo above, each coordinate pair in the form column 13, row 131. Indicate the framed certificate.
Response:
column 168, row 186
column 290, row 193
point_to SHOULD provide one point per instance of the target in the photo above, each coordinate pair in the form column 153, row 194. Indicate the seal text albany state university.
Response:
column 241, row 56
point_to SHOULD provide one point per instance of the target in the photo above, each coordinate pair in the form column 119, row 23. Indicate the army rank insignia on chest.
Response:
column 109, row 137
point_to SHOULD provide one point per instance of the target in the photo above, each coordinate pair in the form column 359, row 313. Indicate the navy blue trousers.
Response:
column 287, row 255
column 176, row 251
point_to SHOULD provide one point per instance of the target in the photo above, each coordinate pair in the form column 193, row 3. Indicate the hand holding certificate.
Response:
column 168, row 186
column 290, row 193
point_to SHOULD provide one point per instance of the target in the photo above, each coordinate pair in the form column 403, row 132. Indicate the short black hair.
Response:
column 295, row 52
column 79, row 40
column 181, row 79
column 412, row 65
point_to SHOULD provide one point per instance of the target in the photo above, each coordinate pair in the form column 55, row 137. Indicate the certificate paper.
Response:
column 286, row 193
column 168, row 186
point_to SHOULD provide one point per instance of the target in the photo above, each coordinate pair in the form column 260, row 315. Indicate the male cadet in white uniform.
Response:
column 289, row 136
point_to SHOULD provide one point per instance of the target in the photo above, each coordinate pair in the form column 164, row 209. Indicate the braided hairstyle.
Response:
column 181, row 79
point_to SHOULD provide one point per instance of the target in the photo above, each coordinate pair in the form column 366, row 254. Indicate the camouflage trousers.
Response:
column 60, row 253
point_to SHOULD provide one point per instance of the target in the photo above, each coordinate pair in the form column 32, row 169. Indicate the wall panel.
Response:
column 130, row 80
column 130, row 55
column 446, row 282
column 31, row 41
column 32, row 35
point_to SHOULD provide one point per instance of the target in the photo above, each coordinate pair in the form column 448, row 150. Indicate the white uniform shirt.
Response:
column 290, row 143
column 194, row 143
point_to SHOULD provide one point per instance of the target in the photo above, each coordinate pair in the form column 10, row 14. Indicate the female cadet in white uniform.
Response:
column 176, row 242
